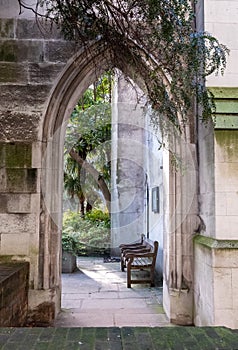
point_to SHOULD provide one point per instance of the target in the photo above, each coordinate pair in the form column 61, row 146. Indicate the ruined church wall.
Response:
column 31, row 59
column 128, row 165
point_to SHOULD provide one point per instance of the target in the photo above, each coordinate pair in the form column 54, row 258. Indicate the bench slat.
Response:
column 142, row 262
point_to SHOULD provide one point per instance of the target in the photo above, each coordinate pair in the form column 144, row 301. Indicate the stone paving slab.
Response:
column 97, row 295
column 115, row 338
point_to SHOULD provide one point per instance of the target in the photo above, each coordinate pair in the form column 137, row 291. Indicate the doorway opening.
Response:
column 91, row 226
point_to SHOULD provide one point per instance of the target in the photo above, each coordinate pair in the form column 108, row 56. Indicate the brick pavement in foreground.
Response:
column 115, row 338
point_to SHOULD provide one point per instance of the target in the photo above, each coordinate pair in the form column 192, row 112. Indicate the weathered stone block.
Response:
column 13, row 73
column 226, row 145
column 17, row 224
column 22, row 180
column 226, row 227
column 6, row 28
column 43, row 315
column 226, row 258
column 19, row 126
column 3, row 203
column 36, row 154
column 44, row 72
column 23, row 51
column 18, row 180
column 7, row 51
column 23, row 98
column 59, row 51
column 235, row 288
column 30, row 29
column 9, row 246
column 3, row 179
column 222, row 288
column 15, row 203
column 15, row 155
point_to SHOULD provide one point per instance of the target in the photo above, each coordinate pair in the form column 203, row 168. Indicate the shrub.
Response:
column 86, row 236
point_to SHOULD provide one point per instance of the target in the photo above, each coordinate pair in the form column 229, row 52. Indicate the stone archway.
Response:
column 180, row 218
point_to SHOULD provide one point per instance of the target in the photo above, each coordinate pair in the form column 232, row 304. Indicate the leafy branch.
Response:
column 158, row 38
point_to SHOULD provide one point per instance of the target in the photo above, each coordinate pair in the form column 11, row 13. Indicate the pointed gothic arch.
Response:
column 79, row 72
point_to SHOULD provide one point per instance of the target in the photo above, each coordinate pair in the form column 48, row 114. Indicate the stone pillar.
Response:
column 181, row 221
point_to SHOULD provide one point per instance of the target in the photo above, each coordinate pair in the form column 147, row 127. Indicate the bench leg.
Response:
column 128, row 276
column 122, row 263
column 152, row 278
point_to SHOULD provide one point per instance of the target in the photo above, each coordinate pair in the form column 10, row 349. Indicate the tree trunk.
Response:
column 96, row 175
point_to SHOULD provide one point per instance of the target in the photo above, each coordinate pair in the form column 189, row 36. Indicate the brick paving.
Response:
column 115, row 338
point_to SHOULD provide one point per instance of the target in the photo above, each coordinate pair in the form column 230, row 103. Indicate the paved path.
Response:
column 97, row 296
column 100, row 313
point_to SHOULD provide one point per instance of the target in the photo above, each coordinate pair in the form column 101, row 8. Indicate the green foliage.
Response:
column 86, row 235
column 89, row 133
column 158, row 39
column 70, row 243
column 90, row 122
column 97, row 216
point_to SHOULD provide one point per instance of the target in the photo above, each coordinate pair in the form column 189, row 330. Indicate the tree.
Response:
column 89, row 128
column 158, row 38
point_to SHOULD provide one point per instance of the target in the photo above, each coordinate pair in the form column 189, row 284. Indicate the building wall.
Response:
column 221, row 20
column 155, row 193
column 128, row 165
column 215, row 250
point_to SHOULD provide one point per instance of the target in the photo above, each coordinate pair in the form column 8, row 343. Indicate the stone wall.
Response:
column 221, row 19
column 31, row 59
column 215, row 285
column 14, row 284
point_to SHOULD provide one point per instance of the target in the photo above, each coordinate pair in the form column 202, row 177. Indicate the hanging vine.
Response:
column 158, row 38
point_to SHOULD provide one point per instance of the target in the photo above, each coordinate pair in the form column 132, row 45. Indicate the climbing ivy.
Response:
column 160, row 41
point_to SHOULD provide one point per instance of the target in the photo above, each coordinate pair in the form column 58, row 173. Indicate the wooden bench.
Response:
column 139, row 256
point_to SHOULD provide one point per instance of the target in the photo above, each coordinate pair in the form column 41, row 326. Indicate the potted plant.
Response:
column 69, row 253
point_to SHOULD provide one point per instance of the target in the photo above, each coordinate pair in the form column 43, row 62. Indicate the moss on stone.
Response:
column 6, row 28
column 7, row 52
column 23, row 180
column 15, row 179
column 18, row 155
column 6, row 259
column 212, row 243
column 31, row 180
column 2, row 154
column 11, row 72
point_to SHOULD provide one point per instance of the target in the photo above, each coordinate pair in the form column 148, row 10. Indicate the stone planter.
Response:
column 68, row 262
